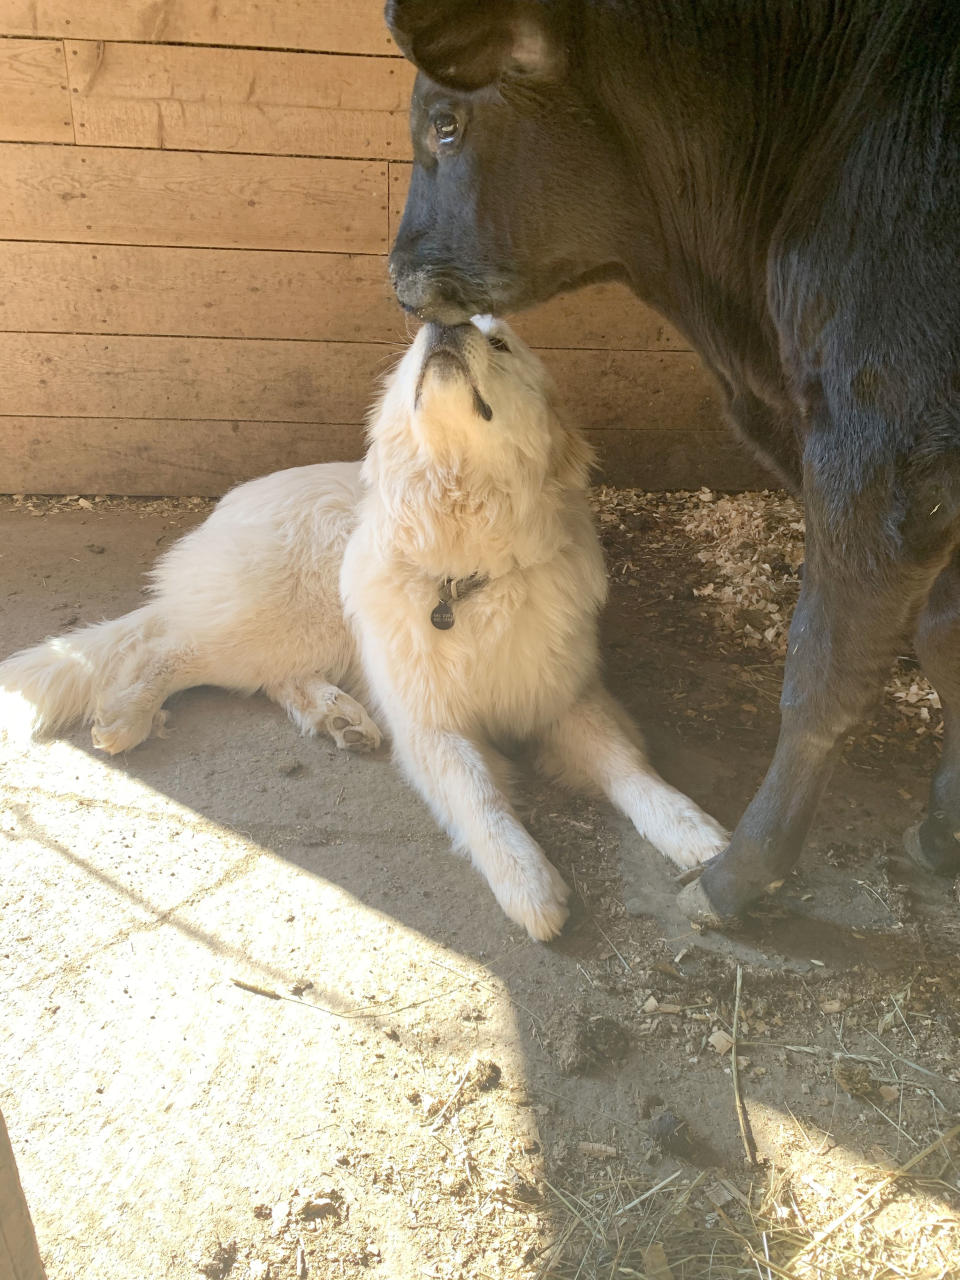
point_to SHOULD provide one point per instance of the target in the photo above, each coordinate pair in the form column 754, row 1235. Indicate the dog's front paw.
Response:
column 694, row 838
column 537, row 900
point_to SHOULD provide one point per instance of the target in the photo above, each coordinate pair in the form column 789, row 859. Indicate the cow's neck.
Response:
column 733, row 113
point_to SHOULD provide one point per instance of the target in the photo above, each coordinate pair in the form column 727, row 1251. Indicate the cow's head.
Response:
column 517, row 186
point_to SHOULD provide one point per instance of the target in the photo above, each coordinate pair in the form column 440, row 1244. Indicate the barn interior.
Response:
column 258, row 1021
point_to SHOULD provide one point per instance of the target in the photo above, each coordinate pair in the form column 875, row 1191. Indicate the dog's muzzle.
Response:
column 446, row 343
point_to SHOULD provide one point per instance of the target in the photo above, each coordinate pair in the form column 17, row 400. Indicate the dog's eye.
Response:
column 498, row 344
column 446, row 126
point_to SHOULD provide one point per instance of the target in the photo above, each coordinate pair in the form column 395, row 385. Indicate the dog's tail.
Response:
column 57, row 683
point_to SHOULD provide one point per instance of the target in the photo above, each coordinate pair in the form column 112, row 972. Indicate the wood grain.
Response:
column 193, row 289
column 80, row 375
column 232, row 293
column 399, row 179
column 251, row 100
column 19, row 1257
column 664, row 458
column 203, row 457
column 123, row 196
column 137, row 289
column 331, row 25
column 77, row 375
column 598, row 317
column 34, row 98
column 642, row 390
column 158, row 456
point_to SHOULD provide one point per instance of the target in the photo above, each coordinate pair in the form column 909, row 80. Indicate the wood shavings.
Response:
column 721, row 1041
column 751, row 548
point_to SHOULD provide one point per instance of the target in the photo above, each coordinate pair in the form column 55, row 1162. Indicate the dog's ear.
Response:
column 573, row 460
column 466, row 44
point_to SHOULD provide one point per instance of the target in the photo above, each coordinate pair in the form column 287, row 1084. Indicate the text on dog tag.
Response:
column 442, row 616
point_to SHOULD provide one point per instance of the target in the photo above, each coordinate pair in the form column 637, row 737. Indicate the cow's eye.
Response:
column 498, row 344
column 446, row 126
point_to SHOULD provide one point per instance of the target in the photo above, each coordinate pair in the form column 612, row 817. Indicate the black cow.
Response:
column 781, row 179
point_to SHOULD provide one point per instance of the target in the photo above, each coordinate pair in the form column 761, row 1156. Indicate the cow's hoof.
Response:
column 913, row 847
column 700, row 911
column 933, row 846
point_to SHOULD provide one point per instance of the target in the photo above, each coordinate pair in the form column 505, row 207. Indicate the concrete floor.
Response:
column 152, row 1103
column 249, row 1000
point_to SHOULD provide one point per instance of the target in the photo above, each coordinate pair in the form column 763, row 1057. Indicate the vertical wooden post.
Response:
column 19, row 1256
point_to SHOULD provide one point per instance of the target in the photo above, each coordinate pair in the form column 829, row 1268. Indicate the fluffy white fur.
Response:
column 316, row 585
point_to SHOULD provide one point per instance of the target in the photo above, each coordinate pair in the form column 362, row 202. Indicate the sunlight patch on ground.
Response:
column 193, row 1022
column 816, row 1210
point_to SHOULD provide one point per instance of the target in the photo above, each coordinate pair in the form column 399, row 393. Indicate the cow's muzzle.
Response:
column 443, row 296
column 430, row 299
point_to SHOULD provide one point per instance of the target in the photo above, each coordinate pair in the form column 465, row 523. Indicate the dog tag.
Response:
column 442, row 616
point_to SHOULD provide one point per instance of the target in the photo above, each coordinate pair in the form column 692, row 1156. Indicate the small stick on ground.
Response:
column 749, row 1146
column 464, row 1077
column 688, row 876
column 257, row 991
column 651, row 1192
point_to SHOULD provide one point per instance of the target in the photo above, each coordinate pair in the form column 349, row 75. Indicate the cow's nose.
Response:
column 419, row 290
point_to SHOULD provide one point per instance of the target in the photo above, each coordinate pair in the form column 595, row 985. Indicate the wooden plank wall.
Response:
column 196, row 202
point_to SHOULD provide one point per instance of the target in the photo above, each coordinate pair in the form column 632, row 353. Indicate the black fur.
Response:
column 781, row 179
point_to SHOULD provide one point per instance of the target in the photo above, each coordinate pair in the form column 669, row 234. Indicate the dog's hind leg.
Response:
column 317, row 706
column 596, row 745
column 459, row 781
column 130, row 708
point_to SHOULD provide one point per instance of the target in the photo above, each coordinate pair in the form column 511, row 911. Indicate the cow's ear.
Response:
column 466, row 44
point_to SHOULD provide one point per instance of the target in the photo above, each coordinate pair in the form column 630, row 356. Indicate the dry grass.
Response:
column 786, row 1223
column 817, row 1209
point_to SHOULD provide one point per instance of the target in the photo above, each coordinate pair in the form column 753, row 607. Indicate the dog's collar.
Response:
column 451, row 589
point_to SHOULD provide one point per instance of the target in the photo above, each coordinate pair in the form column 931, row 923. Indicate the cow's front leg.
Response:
column 862, row 584
column 935, row 842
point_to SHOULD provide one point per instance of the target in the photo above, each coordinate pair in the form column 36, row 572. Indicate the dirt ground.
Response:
column 259, row 1022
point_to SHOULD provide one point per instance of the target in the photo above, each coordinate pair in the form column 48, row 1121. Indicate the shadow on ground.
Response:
column 261, row 1022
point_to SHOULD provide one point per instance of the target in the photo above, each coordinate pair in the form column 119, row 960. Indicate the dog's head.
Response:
column 474, row 398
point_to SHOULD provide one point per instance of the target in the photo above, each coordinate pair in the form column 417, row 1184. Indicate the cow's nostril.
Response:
column 423, row 294
column 445, row 311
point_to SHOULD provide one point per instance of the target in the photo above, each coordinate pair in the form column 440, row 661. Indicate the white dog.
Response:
column 452, row 582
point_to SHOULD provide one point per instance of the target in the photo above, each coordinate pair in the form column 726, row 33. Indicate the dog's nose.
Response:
column 446, row 337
